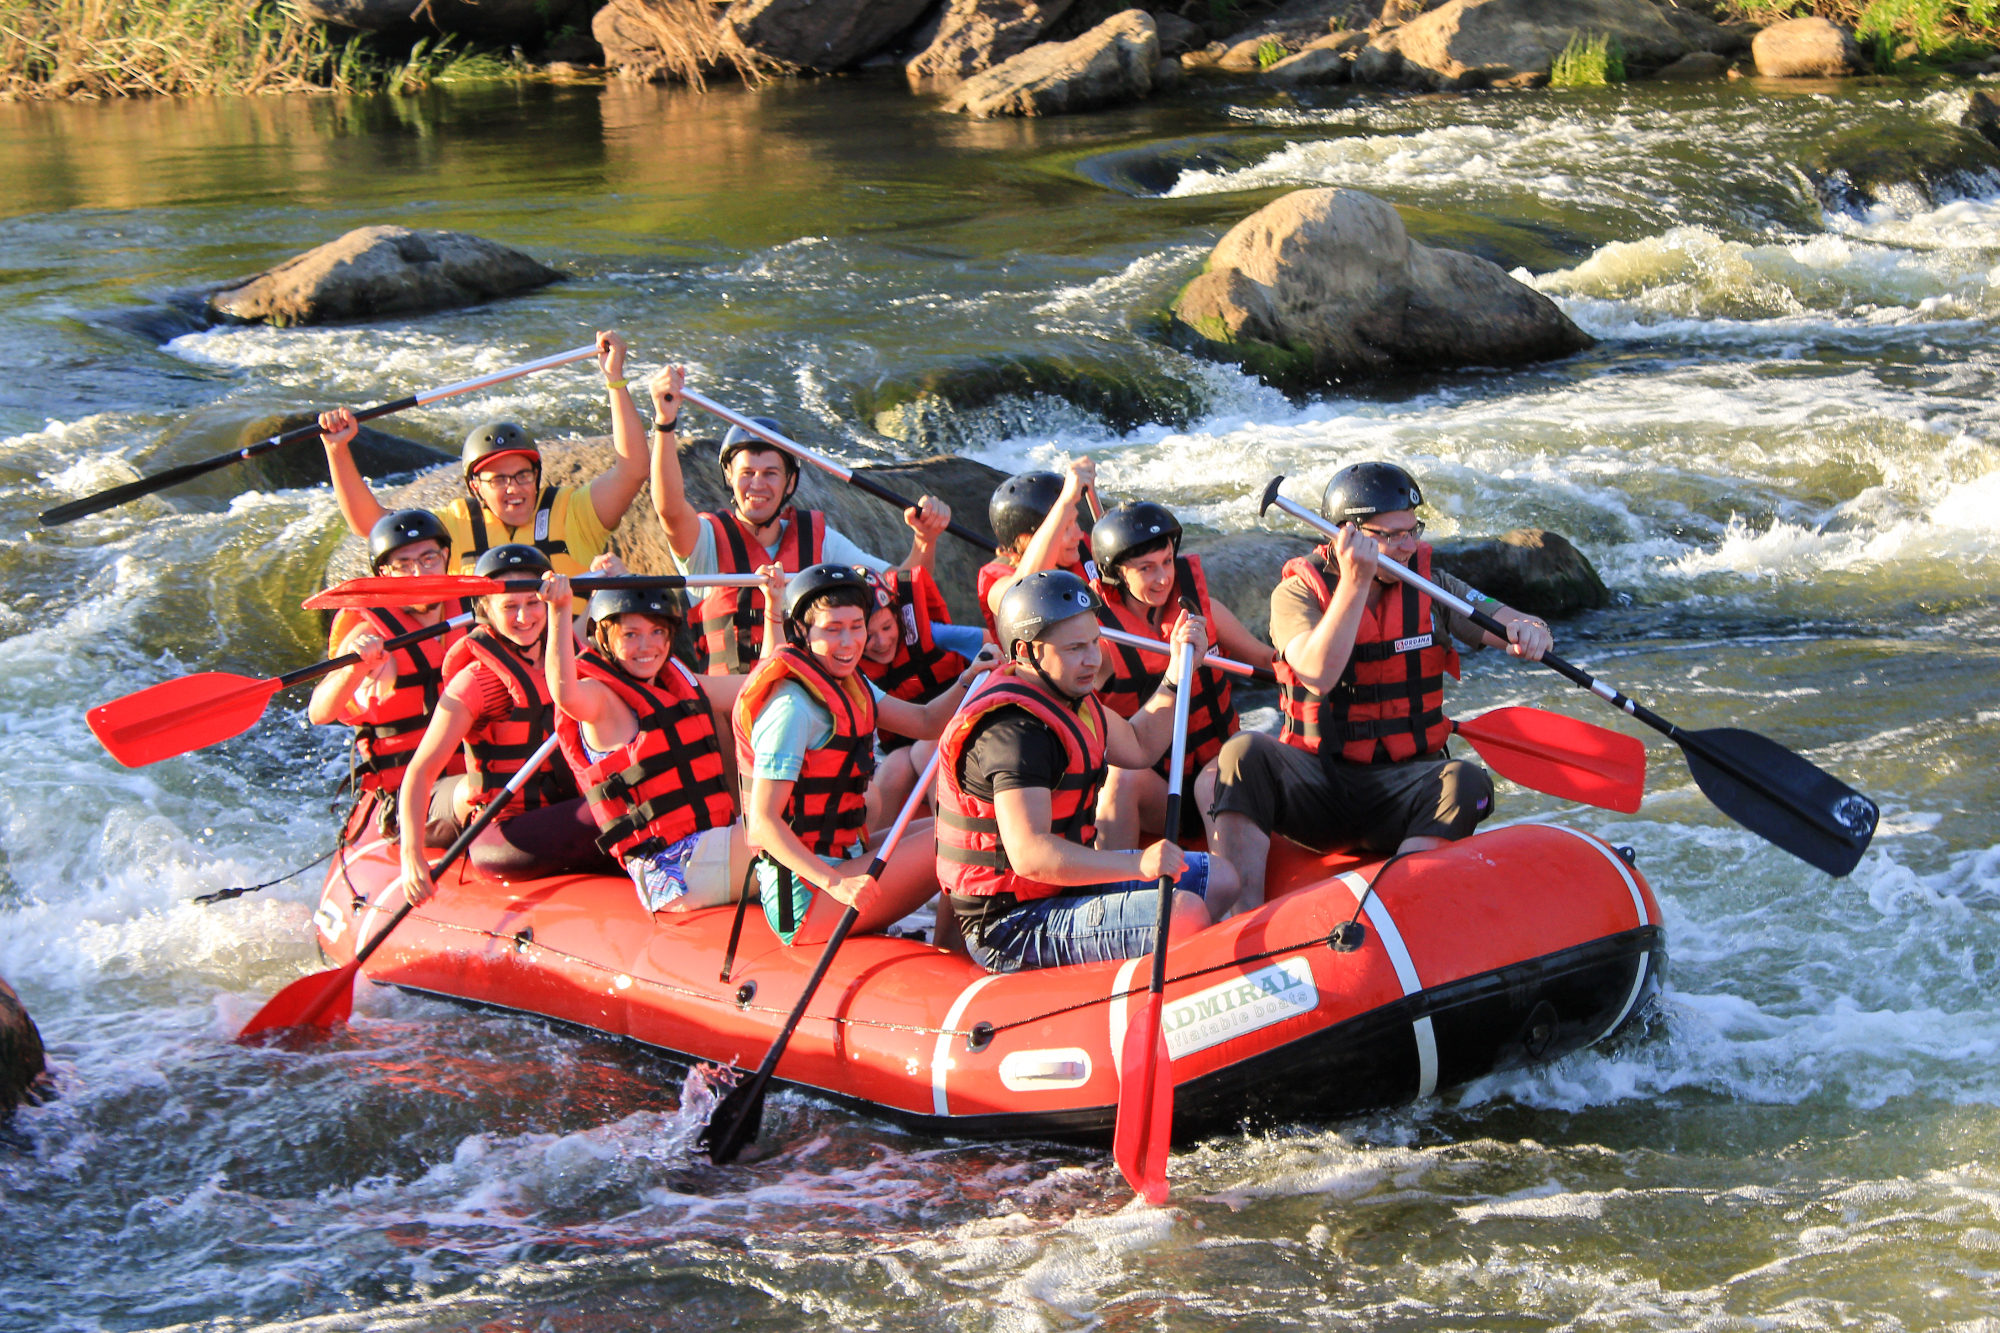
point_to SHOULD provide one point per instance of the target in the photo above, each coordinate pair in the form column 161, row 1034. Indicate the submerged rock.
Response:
column 377, row 271
column 1477, row 43
column 1325, row 285
column 377, row 454
column 1807, row 48
column 1111, row 63
column 821, row 34
column 966, row 405
column 1529, row 569
column 24, row 1066
column 975, row 35
column 1937, row 163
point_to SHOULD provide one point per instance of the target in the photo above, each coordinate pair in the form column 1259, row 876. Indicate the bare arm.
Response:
column 334, row 692
column 1320, row 654
column 927, row 522
column 670, row 500
column 926, row 722
column 1236, row 641
column 449, row 726
column 1527, row 636
column 774, row 577
column 587, row 701
column 358, row 504
column 1041, row 553
column 1141, row 742
column 1024, row 818
column 611, row 494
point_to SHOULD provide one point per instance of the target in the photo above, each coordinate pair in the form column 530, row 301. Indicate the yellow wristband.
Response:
column 616, row 384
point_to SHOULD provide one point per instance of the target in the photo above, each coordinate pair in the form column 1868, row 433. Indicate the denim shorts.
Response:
column 1097, row 923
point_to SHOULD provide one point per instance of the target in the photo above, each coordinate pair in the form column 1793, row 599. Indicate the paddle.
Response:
column 738, row 1116
column 209, row 707
column 1159, row 649
column 825, row 464
column 1146, row 1074
column 322, row 999
column 1776, row 794
column 425, row 589
column 174, row 476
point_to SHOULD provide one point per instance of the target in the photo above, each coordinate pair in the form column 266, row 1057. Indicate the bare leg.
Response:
column 907, row 881
column 1132, row 804
column 1190, row 914
column 1237, row 840
column 1409, row 845
column 890, row 788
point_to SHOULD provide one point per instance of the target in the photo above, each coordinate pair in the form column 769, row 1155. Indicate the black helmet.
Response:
column 1019, row 505
column 816, row 582
column 394, row 531
column 497, row 437
column 1362, row 489
column 609, row 602
column 512, row 560
column 1038, row 601
column 739, row 439
column 1128, row 527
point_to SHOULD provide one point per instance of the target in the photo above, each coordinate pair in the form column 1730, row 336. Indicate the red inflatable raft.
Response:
column 1514, row 946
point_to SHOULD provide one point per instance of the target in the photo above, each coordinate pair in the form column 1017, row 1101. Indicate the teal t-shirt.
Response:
column 790, row 723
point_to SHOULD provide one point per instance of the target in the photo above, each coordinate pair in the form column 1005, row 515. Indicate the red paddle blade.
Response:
column 1561, row 756
column 1145, row 1104
column 388, row 590
column 179, row 715
column 319, row 1000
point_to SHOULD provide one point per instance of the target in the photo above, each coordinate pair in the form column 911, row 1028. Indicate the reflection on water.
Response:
column 1782, row 452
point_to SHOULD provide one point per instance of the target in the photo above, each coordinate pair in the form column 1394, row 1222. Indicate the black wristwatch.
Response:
column 668, row 427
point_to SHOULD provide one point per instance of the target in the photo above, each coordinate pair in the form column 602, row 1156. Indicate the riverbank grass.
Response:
column 1588, row 62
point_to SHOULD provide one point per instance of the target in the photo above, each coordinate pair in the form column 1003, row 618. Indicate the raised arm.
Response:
column 927, row 521
column 1041, row 553
column 612, row 494
column 1141, row 742
column 1319, row 655
column 333, row 693
column 584, row 700
column 670, row 500
column 358, row 504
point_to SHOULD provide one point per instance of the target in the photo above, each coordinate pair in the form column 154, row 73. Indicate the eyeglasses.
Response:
column 524, row 480
column 430, row 562
column 1391, row 538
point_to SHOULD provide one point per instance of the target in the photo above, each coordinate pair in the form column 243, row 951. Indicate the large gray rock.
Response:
column 377, row 271
column 1474, row 43
column 1330, row 59
column 821, row 34
column 1324, row 286
column 1529, row 569
column 1177, row 35
column 24, row 1068
column 1111, row 63
column 1807, row 48
column 974, row 35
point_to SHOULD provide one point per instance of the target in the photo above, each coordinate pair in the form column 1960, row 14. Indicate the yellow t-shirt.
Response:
column 571, row 520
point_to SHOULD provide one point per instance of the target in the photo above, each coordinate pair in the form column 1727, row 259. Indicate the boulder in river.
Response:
column 1695, row 66
column 1477, row 43
column 975, row 35
column 1982, row 116
column 1807, row 48
column 1110, row 64
column 1327, row 60
column 1934, row 163
column 374, row 272
column 821, row 34
column 1177, row 35
column 24, row 1066
column 1529, row 569
column 1324, row 286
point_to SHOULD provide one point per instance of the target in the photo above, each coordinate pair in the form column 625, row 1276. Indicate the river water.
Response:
column 1782, row 455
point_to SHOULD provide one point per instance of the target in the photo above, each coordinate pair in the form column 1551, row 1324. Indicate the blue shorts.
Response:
column 1097, row 923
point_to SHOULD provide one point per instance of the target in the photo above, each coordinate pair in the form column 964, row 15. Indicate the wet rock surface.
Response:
column 1807, row 48
column 24, row 1067
column 1936, row 164
column 374, row 272
column 975, row 35
column 1112, row 63
column 1477, row 43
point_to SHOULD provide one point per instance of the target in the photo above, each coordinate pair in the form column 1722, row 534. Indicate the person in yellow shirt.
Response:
column 505, row 500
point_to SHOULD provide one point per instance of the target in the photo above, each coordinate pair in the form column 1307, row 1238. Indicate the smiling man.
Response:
column 763, row 526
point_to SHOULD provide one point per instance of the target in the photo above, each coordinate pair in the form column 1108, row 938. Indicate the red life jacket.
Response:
column 1135, row 675
column 999, row 571
column 1389, row 703
column 971, row 859
column 387, row 731
column 475, row 512
column 828, row 808
column 665, row 783
column 921, row 670
column 729, row 622
column 495, row 752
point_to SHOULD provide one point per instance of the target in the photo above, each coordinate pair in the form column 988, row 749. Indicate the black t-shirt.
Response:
column 1009, row 749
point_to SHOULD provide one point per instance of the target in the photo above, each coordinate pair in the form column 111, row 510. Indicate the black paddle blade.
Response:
column 736, row 1121
column 132, row 490
column 1781, row 797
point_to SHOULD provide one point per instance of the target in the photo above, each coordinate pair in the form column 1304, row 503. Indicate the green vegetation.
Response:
column 1588, row 62
column 97, row 48
column 1898, row 35
column 1269, row 52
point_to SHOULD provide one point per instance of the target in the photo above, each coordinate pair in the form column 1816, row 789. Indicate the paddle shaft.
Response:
column 305, row 673
column 746, row 1100
column 1176, row 761
column 1692, row 744
column 859, row 481
column 452, row 853
column 1159, row 649
column 174, row 476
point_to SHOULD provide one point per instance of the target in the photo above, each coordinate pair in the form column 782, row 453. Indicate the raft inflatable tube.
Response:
column 1511, row 947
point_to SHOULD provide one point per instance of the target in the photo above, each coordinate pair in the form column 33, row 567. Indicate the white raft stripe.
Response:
column 1638, row 907
column 1377, row 914
column 1121, row 1010
column 941, row 1056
